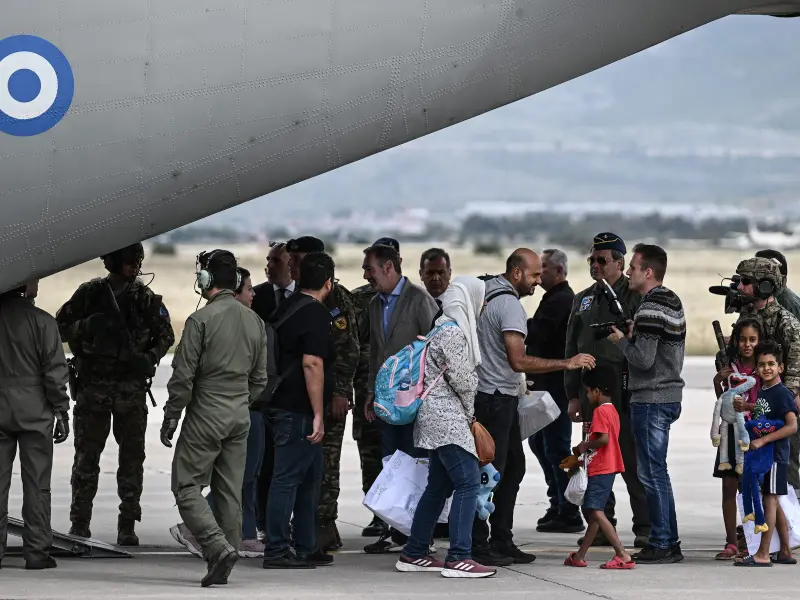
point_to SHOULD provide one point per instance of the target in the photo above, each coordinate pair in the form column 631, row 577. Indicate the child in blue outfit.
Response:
column 775, row 402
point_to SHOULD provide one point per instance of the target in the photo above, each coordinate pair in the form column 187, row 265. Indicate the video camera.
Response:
column 603, row 330
column 734, row 299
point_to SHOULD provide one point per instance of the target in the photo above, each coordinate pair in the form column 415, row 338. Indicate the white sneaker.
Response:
column 251, row 549
column 181, row 534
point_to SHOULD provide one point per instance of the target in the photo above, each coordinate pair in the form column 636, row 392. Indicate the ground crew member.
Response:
column 118, row 331
column 219, row 369
column 33, row 397
column 593, row 306
column 346, row 352
column 366, row 433
column 762, row 279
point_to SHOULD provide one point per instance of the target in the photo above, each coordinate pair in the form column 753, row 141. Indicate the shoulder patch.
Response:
column 163, row 311
column 335, row 312
column 586, row 302
column 340, row 323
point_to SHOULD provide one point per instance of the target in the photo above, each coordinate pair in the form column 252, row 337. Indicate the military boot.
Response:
column 328, row 537
column 126, row 535
column 80, row 529
column 375, row 528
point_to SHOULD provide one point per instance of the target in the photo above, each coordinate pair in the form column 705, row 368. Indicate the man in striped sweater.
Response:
column 654, row 346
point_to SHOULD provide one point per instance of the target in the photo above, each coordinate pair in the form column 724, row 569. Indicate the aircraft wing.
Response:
column 121, row 120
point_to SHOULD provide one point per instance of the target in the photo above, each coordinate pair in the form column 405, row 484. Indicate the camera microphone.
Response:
column 720, row 290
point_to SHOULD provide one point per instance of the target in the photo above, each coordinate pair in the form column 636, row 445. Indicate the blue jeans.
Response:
column 295, row 486
column 651, row 424
column 252, row 466
column 455, row 471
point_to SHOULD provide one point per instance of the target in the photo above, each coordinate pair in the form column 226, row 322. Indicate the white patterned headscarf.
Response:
column 462, row 302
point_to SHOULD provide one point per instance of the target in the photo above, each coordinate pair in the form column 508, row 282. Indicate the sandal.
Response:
column 731, row 551
column 791, row 560
column 750, row 561
column 571, row 562
column 618, row 563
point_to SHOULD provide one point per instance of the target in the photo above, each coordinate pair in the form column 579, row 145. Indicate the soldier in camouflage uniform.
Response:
column 366, row 434
column 784, row 296
column 761, row 278
column 346, row 352
column 118, row 331
column 592, row 306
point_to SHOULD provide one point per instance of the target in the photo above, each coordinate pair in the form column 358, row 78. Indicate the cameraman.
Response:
column 760, row 283
column 593, row 306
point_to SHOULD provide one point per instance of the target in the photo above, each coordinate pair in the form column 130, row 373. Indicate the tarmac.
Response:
column 160, row 568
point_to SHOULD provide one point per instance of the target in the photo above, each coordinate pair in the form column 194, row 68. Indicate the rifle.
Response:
column 722, row 360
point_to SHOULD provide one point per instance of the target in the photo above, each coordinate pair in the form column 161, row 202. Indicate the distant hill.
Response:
column 710, row 116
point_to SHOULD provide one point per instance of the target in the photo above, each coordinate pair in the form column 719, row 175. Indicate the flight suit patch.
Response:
column 340, row 323
column 586, row 302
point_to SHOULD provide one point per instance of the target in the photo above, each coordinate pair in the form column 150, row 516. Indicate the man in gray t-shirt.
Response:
column 502, row 328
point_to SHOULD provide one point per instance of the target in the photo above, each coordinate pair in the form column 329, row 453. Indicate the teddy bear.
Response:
column 756, row 464
column 725, row 414
column 489, row 479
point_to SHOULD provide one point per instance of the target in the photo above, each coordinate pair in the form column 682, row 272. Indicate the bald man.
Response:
column 502, row 328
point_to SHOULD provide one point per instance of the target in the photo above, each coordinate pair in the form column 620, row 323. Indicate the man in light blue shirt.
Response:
column 389, row 301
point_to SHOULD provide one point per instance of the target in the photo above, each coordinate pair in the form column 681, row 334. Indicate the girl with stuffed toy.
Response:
column 747, row 333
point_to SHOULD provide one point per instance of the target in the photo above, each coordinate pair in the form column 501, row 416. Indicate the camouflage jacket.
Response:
column 345, row 340
column 361, row 298
column 139, row 322
column 789, row 300
column 781, row 327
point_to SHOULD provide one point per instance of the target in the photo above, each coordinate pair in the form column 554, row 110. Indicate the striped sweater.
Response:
column 655, row 352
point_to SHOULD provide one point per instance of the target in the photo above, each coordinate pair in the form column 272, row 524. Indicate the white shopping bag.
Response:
column 791, row 508
column 536, row 410
column 396, row 492
column 576, row 488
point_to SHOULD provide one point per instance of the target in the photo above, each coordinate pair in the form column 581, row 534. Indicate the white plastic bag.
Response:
column 396, row 492
column 791, row 508
column 537, row 410
column 576, row 487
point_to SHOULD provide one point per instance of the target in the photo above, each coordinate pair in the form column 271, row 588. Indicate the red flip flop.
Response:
column 618, row 563
column 571, row 562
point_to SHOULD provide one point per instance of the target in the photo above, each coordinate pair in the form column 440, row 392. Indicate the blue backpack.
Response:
column 399, row 385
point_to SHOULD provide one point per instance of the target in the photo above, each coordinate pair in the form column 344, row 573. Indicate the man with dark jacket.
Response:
column 34, row 409
column 547, row 338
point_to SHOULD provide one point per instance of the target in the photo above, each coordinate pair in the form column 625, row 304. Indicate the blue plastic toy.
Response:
column 489, row 480
column 757, row 463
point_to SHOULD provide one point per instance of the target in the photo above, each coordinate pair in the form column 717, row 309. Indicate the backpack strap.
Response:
column 305, row 300
column 497, row 294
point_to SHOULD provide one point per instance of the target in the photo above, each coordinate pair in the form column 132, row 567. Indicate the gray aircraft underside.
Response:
column 124, row 119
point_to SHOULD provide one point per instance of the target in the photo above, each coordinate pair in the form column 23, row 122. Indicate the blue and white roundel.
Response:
column 36, row 85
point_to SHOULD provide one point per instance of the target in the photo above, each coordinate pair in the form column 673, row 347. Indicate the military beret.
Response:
column 305, row 244
column 608, row 241
column 387, row 241
column 761, row 268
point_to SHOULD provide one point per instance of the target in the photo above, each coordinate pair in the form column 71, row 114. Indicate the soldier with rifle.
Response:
column 118, row 330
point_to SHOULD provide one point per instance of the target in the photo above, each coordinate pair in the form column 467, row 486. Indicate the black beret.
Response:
column 608, row 241
column 387, row 241
column 305, row 244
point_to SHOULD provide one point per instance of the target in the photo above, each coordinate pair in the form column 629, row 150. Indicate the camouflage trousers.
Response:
column 328, row 509
column 95, row 406
column 794, row 461
column 368, row 438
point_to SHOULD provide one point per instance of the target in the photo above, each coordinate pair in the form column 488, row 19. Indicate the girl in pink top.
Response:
column 746, row 335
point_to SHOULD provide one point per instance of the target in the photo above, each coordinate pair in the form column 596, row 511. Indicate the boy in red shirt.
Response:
column 603, row 460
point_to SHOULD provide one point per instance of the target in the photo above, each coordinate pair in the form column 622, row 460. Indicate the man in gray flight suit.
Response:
column 33, row 398
column 219, row 369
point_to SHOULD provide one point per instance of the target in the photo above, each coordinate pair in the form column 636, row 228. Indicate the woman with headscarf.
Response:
column 443, row 428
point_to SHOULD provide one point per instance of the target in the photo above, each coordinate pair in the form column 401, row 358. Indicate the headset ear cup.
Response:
column 765, row 288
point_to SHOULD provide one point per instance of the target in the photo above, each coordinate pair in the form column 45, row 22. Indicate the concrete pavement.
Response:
column 162, row 569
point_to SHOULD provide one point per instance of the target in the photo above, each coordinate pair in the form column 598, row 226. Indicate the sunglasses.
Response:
column 600, row 260
column 747, row 281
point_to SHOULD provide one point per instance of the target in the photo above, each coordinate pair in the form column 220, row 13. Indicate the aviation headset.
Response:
column 204, row 277
column 115, row 259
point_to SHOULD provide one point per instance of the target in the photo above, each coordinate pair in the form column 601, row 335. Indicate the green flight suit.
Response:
column 590, row 307
column 33, row 386
column 219, row 369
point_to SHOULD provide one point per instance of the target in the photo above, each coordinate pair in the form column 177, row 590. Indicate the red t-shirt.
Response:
column 608, row 459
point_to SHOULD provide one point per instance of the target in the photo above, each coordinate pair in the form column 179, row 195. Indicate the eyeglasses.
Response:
column 747, row 281
column 600, row 260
